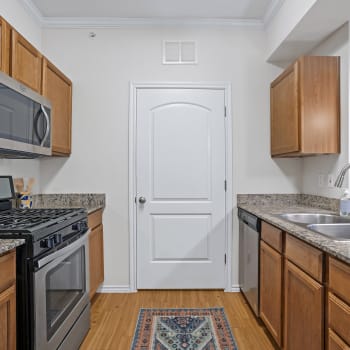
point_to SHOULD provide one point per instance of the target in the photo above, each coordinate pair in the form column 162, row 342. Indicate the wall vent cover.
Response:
column 179, row 52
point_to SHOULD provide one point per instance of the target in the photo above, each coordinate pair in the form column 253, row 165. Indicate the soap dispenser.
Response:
column 344, row 205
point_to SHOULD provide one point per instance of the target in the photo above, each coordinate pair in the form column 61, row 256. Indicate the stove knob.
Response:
column 76, row 226
column 57, row 239
column 47, row 243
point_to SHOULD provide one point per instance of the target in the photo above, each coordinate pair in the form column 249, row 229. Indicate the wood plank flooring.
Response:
column 114, row 316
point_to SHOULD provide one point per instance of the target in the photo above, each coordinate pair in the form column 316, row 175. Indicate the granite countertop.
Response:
column 9, row 244
column 267, row 212
column 90, row 201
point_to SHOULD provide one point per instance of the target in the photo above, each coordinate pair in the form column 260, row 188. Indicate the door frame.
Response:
column 134, row 87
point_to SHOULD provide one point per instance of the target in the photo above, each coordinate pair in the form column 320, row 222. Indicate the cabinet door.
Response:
column 58, row 89
column 336, row 343
column 96, row 259
column 26, row 62
column 285, row 113
column 5, row 40
column 303, row 310
column 8, row 319
column 271, row 290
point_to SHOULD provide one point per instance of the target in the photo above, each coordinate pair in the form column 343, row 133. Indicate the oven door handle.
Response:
column 64, row 251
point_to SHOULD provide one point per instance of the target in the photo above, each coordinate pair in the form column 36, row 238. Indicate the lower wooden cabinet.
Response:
column 336, row 343
column 292, row 296
column 271, row 290
column 338, row 303
column 96, row 256
column 8, row 319
column 303, row 310
column 8, row 301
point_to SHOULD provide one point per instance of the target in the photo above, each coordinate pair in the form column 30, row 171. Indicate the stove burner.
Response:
column 24, row 219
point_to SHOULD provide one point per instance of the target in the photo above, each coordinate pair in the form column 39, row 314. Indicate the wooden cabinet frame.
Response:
column 305, row 108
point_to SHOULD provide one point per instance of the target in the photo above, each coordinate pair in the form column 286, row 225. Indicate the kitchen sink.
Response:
column 338, row 232
column 314, row 218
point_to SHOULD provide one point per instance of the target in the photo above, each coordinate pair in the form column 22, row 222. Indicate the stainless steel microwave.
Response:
column 25, row 121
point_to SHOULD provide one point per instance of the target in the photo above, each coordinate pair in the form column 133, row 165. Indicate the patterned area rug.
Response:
column 183, row 329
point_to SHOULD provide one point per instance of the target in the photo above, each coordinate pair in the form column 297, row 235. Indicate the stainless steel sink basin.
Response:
column 338, row 232
column 314, row 218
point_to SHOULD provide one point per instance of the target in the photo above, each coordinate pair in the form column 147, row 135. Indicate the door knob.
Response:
column 142, row 200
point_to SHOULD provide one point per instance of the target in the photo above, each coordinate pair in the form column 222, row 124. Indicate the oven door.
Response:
column 61, row 293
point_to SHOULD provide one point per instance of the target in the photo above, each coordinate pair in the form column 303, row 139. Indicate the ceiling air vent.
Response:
column 179, row 52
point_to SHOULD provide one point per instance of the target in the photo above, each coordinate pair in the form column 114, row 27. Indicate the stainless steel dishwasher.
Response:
column 249, row 238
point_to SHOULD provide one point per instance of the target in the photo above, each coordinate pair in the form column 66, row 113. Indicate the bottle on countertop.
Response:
column 344, row 205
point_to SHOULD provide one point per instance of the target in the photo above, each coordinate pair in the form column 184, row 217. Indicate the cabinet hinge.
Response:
column 225, row 259
column 225, row 185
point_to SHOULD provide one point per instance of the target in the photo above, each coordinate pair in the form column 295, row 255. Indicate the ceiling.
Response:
column 254, row 11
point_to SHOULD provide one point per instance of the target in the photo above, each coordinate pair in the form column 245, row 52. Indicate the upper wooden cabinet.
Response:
column 58, row 89
column 22, row 61
column 305, row 108
column 5, row 44
column 26, row 62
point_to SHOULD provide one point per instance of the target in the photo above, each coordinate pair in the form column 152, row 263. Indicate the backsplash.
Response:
column 88, row 201
column 326, row 203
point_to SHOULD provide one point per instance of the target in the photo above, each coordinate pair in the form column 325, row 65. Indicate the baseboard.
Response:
column 235, row 288
column 127, row 289
column 115, row 289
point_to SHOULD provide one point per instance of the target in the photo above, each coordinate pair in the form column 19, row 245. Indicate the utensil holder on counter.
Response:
column 24, row 200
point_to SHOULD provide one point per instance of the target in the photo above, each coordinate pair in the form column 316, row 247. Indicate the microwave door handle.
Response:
column 47, row 131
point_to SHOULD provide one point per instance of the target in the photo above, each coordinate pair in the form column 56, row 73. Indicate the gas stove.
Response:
column 52, row 279
column 43, row 229
column 29, row 220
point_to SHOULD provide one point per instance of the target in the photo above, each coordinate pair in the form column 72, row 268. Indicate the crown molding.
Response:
column 117, row 22
column 114, row 22
column 33, row 10
column 272, row 11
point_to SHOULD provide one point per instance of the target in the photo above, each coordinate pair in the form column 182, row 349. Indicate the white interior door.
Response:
column 180, row 188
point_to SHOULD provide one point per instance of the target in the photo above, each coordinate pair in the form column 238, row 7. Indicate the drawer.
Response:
column 7, row 270
column 339, row 317
column 306, row 257
column 272, row 236
column 95, row 219
column 339, row 279
column 335, row 343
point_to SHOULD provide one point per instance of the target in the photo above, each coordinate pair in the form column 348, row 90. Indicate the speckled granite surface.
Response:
column 268, row 206
column 89, row 201
column 289, row 199
column 9, row 244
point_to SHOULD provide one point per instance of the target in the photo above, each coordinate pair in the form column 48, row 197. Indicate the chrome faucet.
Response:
column 340, row 178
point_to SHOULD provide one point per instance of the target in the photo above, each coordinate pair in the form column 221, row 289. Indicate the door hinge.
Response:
column 225, row 185
column 225, row 112
column 135, row 199
column 225, row 259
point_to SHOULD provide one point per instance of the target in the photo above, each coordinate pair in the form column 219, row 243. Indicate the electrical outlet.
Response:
column 330, row 180
column 320, row 180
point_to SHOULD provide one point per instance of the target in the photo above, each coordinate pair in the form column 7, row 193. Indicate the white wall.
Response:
column 14, row 13
column 286, row 19
column 101, row 70
column 337, row 45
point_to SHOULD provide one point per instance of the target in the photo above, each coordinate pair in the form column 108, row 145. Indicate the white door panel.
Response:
column 181, row 173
